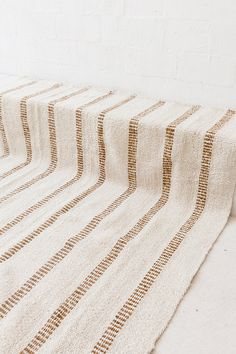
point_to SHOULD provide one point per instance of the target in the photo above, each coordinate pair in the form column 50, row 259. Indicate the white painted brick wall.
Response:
column 183, row 50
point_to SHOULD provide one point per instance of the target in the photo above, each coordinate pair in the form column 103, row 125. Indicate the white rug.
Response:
column 109, row 205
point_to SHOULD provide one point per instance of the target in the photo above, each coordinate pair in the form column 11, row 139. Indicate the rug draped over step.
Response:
column 109, row 205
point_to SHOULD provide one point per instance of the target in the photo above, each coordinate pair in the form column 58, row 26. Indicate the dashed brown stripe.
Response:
column 53, row 147
column 72, row 203
column 133, row 141
column 2, row 129
column 106, row 340
column 57, row 191
column 99, row 270
column 70, row 244
column 26, row 130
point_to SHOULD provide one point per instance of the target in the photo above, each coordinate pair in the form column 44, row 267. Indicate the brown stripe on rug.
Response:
column 106, row 340
column 2, row 129
column 99, row 270
column 26, row 130
column 72, row 203
column 79, row 172
column 53, row 147
column 70, row 244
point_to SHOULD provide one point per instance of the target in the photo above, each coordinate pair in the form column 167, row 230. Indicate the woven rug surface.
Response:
column 109, row 205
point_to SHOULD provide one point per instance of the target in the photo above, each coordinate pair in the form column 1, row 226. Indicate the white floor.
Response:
column 205, row 322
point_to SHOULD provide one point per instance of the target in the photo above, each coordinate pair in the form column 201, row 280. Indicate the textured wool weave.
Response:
column 109, row 204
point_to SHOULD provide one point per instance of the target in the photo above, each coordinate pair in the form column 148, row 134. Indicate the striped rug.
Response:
column 109, row 204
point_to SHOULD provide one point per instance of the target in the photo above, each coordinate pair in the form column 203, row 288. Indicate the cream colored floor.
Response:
column 205, row 322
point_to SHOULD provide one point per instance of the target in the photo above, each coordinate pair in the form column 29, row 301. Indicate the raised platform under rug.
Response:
column 109, row 204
